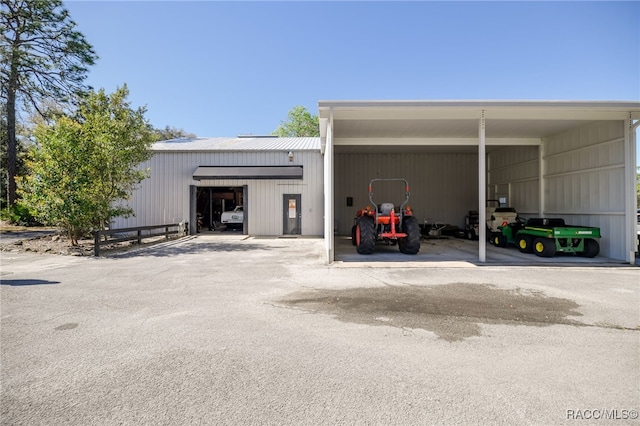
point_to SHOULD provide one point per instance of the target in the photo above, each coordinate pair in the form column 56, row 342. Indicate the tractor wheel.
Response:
column 499, row 240
column 471, row 234
column 410, row 244
column 353, row 235
column 524, row 243
column 591, row 248
column 365, row 235
column 544, row 247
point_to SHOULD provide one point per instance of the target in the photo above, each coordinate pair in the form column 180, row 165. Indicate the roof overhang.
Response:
column 455, row 123
column 247, row 172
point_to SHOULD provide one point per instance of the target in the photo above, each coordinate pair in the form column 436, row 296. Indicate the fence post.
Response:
column 139, row 236
column 96, row 243
column 166, row 232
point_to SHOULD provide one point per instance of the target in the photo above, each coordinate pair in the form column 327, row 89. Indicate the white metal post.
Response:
column 328, row 192
column 541, row 179
column 482, row 192
column 631, row 205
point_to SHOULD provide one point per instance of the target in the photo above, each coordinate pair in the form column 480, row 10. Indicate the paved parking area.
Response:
column 233, row 330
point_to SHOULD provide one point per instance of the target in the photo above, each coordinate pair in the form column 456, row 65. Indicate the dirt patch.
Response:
column 54, row 243
column 451, row 311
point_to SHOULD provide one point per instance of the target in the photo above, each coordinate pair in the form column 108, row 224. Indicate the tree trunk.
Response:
column 11, row 131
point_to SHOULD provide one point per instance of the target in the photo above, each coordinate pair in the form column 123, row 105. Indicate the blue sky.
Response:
column 228, row 68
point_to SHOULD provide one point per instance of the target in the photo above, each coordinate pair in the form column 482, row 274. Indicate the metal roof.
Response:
column 239, row 144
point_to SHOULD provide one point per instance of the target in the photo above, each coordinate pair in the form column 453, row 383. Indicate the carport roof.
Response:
column 441, row 122
column 238, row 144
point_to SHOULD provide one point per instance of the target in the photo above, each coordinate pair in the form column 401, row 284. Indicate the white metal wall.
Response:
column 164, row 197
column 444, row 187
column 513, row 172
column 584, row 181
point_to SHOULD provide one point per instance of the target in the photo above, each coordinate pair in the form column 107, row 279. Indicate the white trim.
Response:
column 591, row 169
column 582, row 213
column 535, row 160
column 436, row 141
column 508, row 182
column 584, row 148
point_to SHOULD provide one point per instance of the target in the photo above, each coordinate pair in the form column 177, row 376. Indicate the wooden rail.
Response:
column 139, row 235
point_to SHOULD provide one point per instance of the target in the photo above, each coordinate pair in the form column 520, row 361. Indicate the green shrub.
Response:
column 19, row 214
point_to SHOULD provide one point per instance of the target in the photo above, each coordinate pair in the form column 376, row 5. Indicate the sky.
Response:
column 218, row 68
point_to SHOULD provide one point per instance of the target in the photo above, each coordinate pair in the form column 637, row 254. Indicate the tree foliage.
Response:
column 170, row 133
column 300, row 122
column 85, row 166
column 43, row 57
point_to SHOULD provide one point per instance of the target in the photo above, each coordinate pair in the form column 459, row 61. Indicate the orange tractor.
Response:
column 384, row 223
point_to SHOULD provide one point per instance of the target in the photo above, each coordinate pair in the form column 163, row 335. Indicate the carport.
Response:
column 570, row 159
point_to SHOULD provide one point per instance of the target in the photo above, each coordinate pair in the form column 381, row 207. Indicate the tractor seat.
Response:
column 385, row 208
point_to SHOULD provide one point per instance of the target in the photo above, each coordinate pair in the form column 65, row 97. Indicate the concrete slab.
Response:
column 457, row 250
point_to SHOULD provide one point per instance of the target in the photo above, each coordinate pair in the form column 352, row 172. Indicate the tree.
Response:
column 85, row 166
column 170, row 133
column 43, row 56
column 299, row 123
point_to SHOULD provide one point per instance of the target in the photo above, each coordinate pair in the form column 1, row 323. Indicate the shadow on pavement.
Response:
column 18, row 283
column 186, row 247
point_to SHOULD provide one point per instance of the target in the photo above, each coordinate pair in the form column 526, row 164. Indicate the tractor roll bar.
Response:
column 406, row 192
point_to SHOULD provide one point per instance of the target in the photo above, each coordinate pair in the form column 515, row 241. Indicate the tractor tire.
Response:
column 471, row 234
column 499, row 240
column 410, row 244
column 365, row 235
column 591, row 248
column 353, row 235
column 544, row 247
column 525, row 243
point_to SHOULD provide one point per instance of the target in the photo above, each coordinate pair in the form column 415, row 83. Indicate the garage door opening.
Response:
column 221, row 209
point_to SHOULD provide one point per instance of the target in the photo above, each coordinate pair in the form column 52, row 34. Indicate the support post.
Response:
column 631, row 205
column 482, row 191
column 96, row 243
column 328, row 192
column 541, row 179
column 193, row 199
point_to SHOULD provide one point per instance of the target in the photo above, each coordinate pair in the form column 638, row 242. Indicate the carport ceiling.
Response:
column 449, row 128
column 428, row 126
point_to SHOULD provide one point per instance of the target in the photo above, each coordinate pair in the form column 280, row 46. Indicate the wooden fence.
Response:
column 137, row 233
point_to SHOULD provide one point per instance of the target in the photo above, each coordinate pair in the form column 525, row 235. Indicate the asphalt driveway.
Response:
column 233, row 330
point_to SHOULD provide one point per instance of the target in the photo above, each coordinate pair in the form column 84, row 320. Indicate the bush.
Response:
column 19, row 214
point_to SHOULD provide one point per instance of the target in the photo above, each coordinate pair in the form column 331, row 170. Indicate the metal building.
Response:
column 568, row 159
column 575, row 160
column 278, row 181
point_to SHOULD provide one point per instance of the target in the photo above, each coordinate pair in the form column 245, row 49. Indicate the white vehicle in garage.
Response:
column 234, row 218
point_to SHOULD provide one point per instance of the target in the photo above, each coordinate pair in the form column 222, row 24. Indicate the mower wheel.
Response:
column 410, row 244
column 499, row 240
column 471, row 234
column 544, row 247
column 591, row 248
column 365, row 235
column 524, row 243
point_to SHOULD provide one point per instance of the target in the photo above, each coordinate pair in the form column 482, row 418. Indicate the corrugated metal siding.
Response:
column 517, row 167
column 444, row 187
column 164, row 197
column 584, row 181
